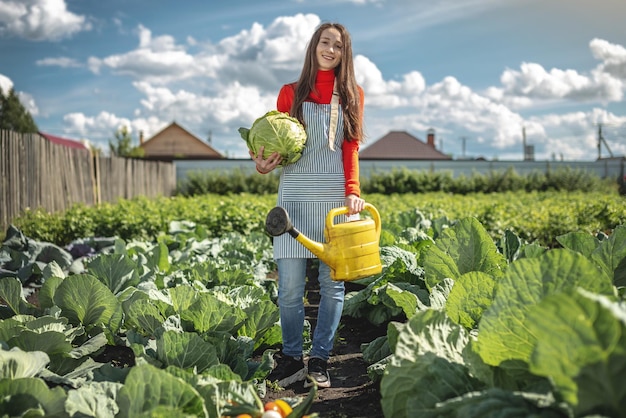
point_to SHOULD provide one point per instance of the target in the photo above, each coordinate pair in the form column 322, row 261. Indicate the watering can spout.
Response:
column 351, row 249
column 320, row 250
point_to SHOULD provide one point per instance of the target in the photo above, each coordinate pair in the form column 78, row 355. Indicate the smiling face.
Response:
column 329, row 48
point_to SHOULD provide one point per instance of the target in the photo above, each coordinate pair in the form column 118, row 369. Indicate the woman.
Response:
column 325, row 177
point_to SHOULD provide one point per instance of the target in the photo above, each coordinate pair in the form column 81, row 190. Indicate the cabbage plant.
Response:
column 277, row 132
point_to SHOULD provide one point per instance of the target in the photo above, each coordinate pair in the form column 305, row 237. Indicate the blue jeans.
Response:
column 291, row 284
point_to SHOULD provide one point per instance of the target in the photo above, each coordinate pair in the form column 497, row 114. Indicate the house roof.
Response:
column 175, row 142
column 64, row 141
column 400, row 145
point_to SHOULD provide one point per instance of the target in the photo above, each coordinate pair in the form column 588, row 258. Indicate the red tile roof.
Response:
column 64, row 141
column 400, row 145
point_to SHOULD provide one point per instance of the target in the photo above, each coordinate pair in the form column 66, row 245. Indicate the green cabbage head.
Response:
column 276, row 131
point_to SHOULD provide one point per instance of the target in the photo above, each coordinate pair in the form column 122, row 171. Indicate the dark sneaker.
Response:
column 287, row 371
column 318, row 371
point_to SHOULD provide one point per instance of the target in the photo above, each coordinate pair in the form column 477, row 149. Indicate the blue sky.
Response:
column 479, row 72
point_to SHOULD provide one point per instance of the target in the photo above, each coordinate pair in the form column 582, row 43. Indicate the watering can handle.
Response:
column 343, row 210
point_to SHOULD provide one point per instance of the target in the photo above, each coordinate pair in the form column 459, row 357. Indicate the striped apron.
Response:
column 314, row 185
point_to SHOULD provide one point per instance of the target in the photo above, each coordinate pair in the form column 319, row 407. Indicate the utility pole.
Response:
column 601, row 141
column 463, row 138
column 529, row 150
column 524, row 142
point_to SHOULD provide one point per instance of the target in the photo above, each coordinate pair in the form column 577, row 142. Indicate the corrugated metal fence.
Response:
column 36, row 173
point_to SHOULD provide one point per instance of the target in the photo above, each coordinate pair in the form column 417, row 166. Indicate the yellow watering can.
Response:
column 351, row 249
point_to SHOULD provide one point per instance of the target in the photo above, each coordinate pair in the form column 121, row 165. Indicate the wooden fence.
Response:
column 36, row 173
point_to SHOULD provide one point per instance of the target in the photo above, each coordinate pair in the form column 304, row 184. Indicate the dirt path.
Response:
column 353, row 394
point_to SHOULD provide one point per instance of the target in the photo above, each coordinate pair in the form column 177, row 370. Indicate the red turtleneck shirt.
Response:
column 324, row 86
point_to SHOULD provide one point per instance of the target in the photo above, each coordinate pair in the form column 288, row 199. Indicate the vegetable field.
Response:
column 483, row 318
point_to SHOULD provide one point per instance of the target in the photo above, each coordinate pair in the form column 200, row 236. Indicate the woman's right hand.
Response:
column 265, row 166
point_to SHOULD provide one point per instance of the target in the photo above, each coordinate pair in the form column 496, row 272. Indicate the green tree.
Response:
column 122, row 145
column 13, row 115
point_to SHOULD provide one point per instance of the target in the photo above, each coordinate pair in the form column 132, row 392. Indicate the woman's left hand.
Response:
column 354, row 204
column 265, row 166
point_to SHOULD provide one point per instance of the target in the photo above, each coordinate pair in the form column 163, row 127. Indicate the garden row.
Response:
column 534, row 216
column 481, row 323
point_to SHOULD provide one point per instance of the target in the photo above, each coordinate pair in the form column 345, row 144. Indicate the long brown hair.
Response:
column 345, row 81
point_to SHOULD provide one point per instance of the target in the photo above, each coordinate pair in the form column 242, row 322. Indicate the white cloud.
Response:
column 533, row 81
column 453, row 105
column 265, row 57
column 227, row 85
column 221, row 86
column 533, row 84
column 448, row 105
column 613, row 58
column 40, row 20
column 82, row 125
column 5, row 83
column 157, row 59
column 364, row 1
column 221, row 114
column 28, row 101
column 573, row 135
column 382, row 93
column 258, row 56
column 25, row 99
column 63, row 62
column 237, row 103
column 234, row 81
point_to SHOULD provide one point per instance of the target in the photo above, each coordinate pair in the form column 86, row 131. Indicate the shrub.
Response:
column 404, row 180
column 218, row 182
